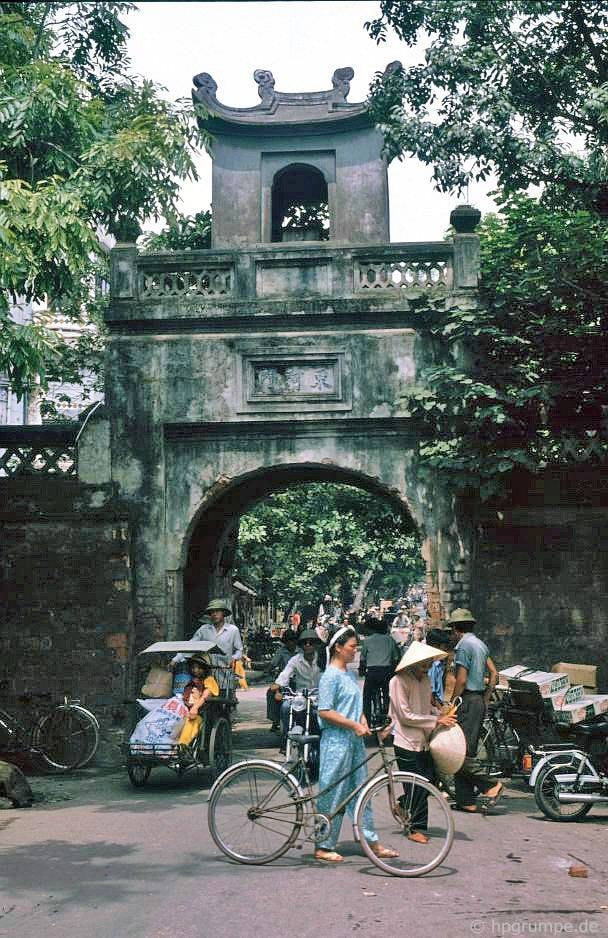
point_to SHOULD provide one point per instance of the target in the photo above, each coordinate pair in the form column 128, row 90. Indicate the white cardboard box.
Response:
column 600, row 703
column 547, row 682
column 513, row 672
column 576, row 712
column 556, row 700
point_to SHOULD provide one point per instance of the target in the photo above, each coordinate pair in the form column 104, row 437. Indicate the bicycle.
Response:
column 258, row 809
column 58, row 740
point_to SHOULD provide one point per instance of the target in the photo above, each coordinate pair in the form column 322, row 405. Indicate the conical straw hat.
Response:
column 418, row 652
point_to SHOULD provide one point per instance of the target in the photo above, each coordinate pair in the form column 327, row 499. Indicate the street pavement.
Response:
column 95, row 857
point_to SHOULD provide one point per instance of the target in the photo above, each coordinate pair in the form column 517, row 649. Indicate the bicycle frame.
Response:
column 309, row 799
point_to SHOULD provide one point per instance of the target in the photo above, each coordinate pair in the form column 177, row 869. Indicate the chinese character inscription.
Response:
column 271, row 380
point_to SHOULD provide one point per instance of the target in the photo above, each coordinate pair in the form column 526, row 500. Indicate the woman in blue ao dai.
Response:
column 342, row 749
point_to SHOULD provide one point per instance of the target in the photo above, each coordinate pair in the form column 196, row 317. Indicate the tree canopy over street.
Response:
column 87, row 148
column 309, row 540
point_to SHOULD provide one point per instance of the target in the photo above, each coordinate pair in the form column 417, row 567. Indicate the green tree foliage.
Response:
column 309, row 540
column 513, row 87
column 185, row 233
column 86, row 147
column 521, row 381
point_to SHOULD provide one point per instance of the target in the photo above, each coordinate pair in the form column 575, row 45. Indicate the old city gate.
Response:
column 279, row 355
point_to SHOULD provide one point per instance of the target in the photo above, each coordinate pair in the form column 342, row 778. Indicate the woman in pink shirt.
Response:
column 414, row 720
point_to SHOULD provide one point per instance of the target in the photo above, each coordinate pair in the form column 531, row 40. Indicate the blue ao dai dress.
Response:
column 341, row 751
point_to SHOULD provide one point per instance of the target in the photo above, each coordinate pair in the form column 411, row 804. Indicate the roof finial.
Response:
column 265, row 82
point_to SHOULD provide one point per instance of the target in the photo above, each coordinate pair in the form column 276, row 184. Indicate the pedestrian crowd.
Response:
column 412, row 674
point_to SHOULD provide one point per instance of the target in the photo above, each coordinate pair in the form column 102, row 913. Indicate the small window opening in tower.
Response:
column 300, row 210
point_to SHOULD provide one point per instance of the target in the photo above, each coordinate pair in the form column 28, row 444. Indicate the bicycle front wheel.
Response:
column 408, row 805
column 62, row 736
column 255, row 814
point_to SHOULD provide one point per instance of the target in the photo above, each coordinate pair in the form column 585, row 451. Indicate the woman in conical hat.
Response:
column 414, row 720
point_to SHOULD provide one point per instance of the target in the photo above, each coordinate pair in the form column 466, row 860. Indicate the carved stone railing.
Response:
column 38, row 450
column 192, row 282
column 211, row 281
column 396, row 274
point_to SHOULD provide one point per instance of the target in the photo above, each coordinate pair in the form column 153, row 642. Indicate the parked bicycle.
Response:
column 258, row 810
column 55, row 739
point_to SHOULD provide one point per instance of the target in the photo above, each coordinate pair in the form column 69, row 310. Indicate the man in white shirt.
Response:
column 302, row 672
column 225, row 634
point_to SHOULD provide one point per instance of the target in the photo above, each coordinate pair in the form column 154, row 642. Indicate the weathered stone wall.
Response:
column 65, row 594
column 540, row 587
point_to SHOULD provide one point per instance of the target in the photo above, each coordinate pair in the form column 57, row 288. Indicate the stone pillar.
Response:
column 123, row 271
column 464, row 219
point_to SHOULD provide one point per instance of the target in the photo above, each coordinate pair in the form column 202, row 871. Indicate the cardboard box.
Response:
column 576, row 712
column 556, row 700
column 600, row 703
column 513, row 672
column 547, row 682
column 585, row 674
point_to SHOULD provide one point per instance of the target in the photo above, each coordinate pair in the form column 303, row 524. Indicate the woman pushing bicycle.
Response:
column 344, row 726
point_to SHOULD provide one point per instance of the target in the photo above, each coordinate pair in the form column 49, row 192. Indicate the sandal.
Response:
column 467, row 808
column 385, row 853
column 418, row 837
column 492, row 799
column 328, row 856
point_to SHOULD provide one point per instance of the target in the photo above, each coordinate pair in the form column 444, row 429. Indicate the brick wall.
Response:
column 541, row 587
column 66, row 594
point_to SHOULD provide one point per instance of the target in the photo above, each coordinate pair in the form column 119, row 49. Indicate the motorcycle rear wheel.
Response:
column 545, row 793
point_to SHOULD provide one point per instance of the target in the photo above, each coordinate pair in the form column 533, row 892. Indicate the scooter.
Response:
column 566, row 790
column 303, row 713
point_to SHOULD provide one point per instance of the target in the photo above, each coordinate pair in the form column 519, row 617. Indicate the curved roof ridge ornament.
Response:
column 340, row 81
column 283, row 107
column 265, row 83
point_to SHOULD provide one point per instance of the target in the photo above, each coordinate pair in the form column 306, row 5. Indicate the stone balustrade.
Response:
column 271, row 272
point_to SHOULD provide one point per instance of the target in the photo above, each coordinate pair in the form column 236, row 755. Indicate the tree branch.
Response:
column 596, row 54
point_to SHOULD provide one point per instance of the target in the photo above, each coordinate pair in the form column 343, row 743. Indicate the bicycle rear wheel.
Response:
column 90, row 733
column 62, row 737
column 398, row 811
column 254, row 816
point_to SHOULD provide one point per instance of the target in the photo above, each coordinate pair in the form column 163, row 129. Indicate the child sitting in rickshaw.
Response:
column 196, row 693
column 178, row 720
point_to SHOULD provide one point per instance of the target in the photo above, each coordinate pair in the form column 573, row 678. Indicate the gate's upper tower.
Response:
column 295, row 156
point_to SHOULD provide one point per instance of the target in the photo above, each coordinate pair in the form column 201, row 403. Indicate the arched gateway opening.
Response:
column 211, row 542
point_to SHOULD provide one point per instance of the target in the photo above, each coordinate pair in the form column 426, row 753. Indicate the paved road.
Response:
column 101, row 860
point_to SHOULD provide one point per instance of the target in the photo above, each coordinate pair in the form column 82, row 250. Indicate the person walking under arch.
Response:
column 379, row 657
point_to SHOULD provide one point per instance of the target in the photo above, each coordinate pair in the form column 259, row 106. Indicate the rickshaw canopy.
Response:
column 186, row 648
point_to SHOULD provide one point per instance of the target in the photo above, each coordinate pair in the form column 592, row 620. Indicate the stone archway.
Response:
column 210, row 540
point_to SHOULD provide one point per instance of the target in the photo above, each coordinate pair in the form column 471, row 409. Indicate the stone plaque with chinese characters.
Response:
column 290, row 380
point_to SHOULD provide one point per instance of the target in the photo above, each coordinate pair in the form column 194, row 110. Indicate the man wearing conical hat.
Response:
column 414, row 720
column 472, row 663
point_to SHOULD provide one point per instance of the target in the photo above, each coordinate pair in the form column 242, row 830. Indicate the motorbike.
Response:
column 566, row 790
column 303, row 715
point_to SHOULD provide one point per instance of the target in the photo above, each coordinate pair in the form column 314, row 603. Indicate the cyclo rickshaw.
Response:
column 212, row 748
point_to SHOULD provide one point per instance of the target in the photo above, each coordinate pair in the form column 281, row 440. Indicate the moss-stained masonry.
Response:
column 234, row 371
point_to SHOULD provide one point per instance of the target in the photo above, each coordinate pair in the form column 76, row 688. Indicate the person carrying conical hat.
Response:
column 414, row 720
